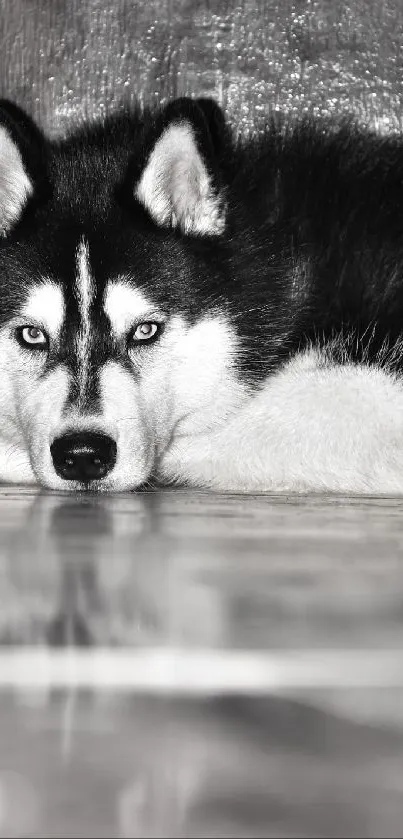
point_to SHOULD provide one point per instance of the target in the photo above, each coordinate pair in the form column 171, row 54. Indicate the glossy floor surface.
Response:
column 183, row 664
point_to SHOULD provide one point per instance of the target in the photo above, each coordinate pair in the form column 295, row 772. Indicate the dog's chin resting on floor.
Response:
column 180, row 306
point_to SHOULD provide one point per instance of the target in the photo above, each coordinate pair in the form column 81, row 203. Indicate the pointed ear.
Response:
column 18, row 136
column 180, row 184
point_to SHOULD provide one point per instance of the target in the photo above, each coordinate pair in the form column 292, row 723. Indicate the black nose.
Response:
column 83, row 456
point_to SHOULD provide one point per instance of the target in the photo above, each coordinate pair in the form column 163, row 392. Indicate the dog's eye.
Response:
column 144, row 331
column 32, row 337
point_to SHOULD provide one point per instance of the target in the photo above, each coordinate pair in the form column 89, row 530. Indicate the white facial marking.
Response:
column 176, row 187
column 123, row 410
column 125, row 306
column 15, row 185
column 45, row 307
column 197, row 387
column 31, row 406
column 85, row 293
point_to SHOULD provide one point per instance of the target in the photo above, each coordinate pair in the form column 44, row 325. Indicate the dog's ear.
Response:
column 20, row 143
column 179, row 183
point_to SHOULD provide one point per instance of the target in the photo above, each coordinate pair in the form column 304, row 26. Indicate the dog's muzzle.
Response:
column 83, row 456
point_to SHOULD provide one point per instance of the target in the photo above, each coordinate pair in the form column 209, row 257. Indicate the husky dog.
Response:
column 183, row 306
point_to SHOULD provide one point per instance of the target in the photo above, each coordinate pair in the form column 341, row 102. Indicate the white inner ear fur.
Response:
column 15, row 185
column 176, row 187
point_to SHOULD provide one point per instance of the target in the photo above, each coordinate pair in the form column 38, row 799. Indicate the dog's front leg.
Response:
column 312, row 427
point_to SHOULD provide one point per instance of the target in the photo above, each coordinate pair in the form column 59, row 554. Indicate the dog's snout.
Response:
column 83, row 456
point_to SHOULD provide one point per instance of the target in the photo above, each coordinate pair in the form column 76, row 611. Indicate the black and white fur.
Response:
column 226, row 314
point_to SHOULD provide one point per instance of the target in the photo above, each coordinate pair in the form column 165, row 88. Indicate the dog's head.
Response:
column 114, row 337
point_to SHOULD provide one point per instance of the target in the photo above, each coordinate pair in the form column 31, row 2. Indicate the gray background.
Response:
column 65, row 59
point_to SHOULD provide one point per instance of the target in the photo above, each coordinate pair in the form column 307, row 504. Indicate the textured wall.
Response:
column 66, row 58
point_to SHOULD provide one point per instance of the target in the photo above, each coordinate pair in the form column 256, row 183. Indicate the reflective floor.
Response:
column 186, row 664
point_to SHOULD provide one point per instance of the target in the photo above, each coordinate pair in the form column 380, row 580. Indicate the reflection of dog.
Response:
column 94, row 573
column 178, row 305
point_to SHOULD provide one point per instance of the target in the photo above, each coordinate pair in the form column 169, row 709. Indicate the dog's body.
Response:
column 180, row 306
